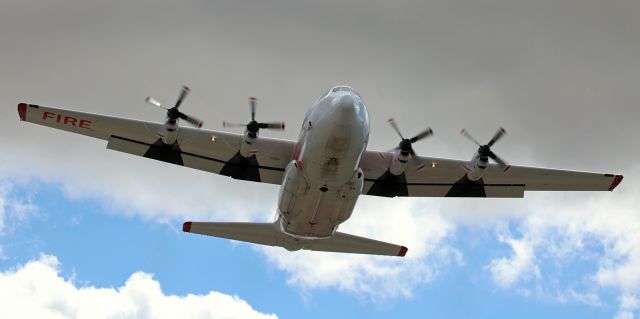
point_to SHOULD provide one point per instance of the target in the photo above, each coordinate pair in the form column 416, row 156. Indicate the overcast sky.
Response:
column 562, row 77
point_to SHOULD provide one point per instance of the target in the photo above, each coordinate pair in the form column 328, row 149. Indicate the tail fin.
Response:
column 269, row 234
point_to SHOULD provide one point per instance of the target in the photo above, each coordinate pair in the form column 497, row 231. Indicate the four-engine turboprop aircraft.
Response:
column 322, row 174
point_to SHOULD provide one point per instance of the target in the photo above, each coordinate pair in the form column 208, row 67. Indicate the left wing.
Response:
column 447, row 178
column 211, row 151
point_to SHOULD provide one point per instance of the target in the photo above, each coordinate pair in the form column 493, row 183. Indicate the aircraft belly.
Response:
column 315, row 210
column 317, row 213
column 332, row 152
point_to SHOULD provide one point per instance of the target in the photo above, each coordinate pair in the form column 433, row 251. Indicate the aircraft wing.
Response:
column 211, row 151
column 447, row 178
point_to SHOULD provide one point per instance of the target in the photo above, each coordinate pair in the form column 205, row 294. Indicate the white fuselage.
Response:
column 323, row 181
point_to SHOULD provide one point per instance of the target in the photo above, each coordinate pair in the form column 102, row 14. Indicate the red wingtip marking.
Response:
column 252, row 98
column 186, row 88
column 282, row 125
column 186, row 227
column 507, row 168
column 503, row 130
column 616, row 181
column 22, row 111
column 403, row 251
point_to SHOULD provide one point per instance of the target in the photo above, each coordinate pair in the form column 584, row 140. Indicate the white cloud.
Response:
column 12, row 207
column 400, row 221
column 506, row 271
column 628, row 304
column 36, row 290
column 558, row 230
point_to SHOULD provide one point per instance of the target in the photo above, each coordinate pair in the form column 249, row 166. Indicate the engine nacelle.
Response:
column 399, row 163
column 294, row 184
column 169, row 133
column 247, row 148
column 478, row 167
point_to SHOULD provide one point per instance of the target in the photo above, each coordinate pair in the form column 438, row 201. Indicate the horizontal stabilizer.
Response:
column 346, row 243
column 269, row 234
column 257, row 233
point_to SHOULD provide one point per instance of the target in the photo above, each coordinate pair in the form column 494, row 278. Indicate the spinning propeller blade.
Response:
column 253, row 127
column 173, row 113
column 485, row 150
column 154, row 102
column 499, row 134
column 393, row 123
column 467, row 135
column 183, row 94
column 405, row 145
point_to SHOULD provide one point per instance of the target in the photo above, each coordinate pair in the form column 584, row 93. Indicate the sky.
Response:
column 90, row 233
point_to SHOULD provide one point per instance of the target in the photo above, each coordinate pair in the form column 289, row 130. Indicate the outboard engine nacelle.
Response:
column 480, row 160
column 169, row 133
column 478, row 167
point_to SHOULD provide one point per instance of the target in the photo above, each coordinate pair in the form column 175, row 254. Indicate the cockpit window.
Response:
column 344, row 89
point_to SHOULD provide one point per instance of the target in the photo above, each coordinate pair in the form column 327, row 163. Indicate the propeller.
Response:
column 485, row 150
column 254, row 126
column 405, row 145
column 173, row 114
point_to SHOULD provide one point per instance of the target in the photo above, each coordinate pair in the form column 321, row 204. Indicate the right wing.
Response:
column 447, row 178
column 212, row 151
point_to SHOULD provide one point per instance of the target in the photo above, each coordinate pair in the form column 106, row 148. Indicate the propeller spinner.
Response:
column 485, row 150
column 173, row 114
column 253, row 127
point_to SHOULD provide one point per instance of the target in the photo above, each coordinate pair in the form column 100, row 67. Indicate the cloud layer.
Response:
column 36, row 290
column 561, row 76
column 399, row 221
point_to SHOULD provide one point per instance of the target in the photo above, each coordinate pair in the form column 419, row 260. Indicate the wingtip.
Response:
column 616, row 180
column 186, row 227
column 22, row 111
column 403, row 251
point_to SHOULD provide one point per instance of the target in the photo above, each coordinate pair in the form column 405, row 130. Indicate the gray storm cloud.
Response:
column 561, row 76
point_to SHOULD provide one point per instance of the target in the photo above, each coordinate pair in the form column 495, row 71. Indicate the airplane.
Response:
column 322, row 174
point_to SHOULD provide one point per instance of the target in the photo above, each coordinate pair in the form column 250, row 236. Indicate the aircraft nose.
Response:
column 345, row 107
column 345, row 101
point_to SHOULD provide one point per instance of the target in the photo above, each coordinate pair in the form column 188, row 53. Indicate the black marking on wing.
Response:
column 178, row 152
column 166, row 153
column 240, row 167
column 465, row 187
column 389, row 185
